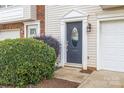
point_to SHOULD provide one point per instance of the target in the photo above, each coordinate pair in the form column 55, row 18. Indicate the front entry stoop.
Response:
column 71, row 74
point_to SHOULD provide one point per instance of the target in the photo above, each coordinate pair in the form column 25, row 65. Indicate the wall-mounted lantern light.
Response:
column 89, row 27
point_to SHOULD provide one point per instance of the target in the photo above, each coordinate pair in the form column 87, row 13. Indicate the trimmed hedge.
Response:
column 25, row 61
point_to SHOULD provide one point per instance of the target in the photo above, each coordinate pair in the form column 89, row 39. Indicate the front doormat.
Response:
column 89, row 70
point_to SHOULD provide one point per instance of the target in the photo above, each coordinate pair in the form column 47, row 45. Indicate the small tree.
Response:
column 52, row 42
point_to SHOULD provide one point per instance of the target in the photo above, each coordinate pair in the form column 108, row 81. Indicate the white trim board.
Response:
column 4, row 30
column 73, row 18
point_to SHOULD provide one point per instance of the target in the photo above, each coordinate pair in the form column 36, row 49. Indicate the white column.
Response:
column 84, row 42
column 63, row 45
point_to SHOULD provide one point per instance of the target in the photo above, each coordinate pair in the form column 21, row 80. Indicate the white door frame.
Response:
column 37, row 22
column 102, row 18
column 64, row 20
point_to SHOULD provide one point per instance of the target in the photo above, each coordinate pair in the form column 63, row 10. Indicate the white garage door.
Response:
column 112, row 45
column 9, row 34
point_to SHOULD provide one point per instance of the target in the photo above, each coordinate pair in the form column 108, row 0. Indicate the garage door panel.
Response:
column 114, row 67
column 112, row 45
column 9, row 34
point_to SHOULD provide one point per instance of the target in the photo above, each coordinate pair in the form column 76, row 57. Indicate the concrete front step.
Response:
column 71, row 74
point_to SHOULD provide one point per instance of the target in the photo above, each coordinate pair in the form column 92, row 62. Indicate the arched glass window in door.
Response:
column 74, row 37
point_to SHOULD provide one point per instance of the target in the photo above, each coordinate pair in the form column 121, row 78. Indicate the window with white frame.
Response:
column 32, row 29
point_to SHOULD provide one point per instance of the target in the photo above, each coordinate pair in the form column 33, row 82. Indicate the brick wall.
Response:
column 41, row 17
column 14, row 26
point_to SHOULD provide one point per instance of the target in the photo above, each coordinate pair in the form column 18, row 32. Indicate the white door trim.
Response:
column 102, row 18
column 37, row 22
column 64, row 39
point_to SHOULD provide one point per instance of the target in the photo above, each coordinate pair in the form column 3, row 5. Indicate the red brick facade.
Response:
column 40, row 13
column 14, row 26
column 41, row 17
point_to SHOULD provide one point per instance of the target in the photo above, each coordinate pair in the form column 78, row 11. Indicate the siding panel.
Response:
column 55, row 13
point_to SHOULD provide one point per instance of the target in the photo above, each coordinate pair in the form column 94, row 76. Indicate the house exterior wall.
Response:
column 19, row 25
column 54, row 14
column 40, row 15
column 16, row 13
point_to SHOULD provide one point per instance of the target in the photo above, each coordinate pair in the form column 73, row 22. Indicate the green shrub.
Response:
column 25, row 61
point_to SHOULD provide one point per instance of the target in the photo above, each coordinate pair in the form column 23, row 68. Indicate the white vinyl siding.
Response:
column 54, row 14
column 17, row 13
column 5, row 6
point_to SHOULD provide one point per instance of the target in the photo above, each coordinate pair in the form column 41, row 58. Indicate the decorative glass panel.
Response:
column 74, row 36
column 32, row 32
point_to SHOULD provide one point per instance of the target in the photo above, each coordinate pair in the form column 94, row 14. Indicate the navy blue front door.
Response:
column 74, row 42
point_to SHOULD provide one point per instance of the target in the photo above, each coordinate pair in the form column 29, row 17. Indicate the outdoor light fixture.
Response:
column 89, row 27
column 22, row 31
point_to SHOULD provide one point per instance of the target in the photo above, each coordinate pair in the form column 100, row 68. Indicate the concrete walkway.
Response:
column 104, row 79
column 71, row 74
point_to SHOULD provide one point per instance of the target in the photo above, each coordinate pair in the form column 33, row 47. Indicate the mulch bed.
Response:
column 6, row 86
column 58, row 83
column 52, row 83
column 89, row 70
